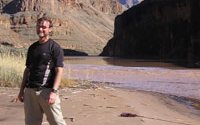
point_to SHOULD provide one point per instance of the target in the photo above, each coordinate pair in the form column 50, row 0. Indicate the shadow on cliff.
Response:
column 160, row 31
column 12, row 7
column 70, row 52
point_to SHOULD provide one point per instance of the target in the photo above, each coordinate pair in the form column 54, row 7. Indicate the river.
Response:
column 145, row 75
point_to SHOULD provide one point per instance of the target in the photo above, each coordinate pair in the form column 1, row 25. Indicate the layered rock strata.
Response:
column 81, row 25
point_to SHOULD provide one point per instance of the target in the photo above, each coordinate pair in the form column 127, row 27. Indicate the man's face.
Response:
column 43, row 29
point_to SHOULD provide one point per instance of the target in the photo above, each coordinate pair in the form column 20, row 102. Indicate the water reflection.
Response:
column 93, row 60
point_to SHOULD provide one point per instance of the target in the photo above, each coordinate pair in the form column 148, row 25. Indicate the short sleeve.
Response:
column 58, row 56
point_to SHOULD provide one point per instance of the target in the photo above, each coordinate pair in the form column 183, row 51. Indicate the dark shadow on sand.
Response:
column 70, row 52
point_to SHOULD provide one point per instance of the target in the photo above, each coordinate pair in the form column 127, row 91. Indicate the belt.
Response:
column 36, row 88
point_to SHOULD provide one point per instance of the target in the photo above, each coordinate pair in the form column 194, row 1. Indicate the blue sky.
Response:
column 129, row 3
column 122, row 1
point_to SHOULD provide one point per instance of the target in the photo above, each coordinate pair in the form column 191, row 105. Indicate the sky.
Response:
column 130, row 3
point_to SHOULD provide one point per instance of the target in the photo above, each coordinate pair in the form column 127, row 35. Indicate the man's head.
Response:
column 44, row 27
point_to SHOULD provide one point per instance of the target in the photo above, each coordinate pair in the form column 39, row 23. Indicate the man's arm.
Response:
column 57, row 81
column 24, row 80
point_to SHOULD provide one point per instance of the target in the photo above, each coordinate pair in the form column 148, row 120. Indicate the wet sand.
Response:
column 104, row 105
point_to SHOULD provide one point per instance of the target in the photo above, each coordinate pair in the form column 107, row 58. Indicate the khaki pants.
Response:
column 36, row 104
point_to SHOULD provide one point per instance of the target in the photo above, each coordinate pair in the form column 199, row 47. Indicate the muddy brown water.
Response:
column 147, row 75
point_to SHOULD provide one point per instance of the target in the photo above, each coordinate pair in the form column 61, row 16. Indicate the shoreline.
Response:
column 103, row 105
column 191, row 103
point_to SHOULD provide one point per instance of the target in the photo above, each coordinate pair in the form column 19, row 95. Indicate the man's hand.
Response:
column 52, row 98
column 20, row 98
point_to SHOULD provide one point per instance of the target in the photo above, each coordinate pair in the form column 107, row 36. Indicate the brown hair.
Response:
column 45, row 19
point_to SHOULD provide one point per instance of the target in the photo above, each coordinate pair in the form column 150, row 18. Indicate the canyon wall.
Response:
column 158, row 29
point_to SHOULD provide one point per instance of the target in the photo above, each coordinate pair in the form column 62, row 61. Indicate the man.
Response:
column 41, row 78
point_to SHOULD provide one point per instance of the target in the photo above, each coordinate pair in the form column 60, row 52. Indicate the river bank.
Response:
column 106, row 106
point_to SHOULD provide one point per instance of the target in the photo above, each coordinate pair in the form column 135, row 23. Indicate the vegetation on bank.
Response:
column 12, row 65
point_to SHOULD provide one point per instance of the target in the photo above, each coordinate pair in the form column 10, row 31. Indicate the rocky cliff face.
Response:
column 158, row 29
column 9, row 37
column 83, row 25
column 55, row 6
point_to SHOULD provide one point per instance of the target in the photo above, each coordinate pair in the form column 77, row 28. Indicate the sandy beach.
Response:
column 106, row 106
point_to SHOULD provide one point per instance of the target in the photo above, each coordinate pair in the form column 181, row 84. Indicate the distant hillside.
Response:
column 8, row 36
column 81, row 25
